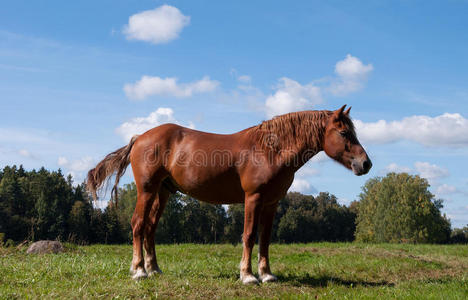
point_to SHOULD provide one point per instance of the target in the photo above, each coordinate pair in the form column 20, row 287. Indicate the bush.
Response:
column 400, row 208
column 459, row 236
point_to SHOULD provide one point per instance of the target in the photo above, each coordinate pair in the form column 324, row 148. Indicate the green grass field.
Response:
column 323, row 270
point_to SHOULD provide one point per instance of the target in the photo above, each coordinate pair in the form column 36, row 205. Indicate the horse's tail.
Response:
column 115, row 162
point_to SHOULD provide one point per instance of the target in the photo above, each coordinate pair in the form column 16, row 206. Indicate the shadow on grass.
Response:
column 324, row 281
column 321, row 281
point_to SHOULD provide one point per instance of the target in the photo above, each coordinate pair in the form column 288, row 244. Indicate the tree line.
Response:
column 44, row 204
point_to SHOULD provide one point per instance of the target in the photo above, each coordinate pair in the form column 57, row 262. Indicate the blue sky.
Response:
column 78, row 78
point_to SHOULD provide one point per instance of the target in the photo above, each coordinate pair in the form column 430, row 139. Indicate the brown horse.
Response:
column 255, row 166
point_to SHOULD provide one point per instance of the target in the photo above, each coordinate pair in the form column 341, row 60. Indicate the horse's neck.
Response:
column 293, row 138
column 305, row 147
column 295, row 159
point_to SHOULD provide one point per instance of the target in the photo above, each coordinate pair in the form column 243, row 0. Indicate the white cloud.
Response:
column 26, row 153
column 307, row 170
column 444, row 130
column 393, row 167
column 446, row 189
column 76, row 168
column 458, row 216
column 292, row 96
column 426, row 170
column 35, row 148
column 302, row 186
column 141, row 124
column 17, row 135
column 82, row 164
column 244, row 79
column 430, row 171
column 352, row 74
column 62, row 161
column 149, row 85
column 157, row 26
column 244, row 96
column 344, row 201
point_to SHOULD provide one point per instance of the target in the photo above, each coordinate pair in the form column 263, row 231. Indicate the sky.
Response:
column 79, row 78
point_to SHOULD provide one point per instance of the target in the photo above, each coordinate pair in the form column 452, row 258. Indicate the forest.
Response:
column 42, row 204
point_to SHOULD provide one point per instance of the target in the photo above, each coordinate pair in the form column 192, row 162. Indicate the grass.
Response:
column 318, row 270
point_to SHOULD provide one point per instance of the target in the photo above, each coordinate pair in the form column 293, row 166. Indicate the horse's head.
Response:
column 341, row 144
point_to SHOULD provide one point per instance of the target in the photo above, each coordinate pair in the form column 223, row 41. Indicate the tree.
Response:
column 98, row 227
column 400, row 208
column 203, row 223
column 13, row 220
column 79, row 221
column 296, row 224
column 169, row 229
column 125, row 208
column 335, row 222
column 216, row 221
column 46, row 204
column 113, row 231
column 234, row 224
column 305, row 218
column 459, row 236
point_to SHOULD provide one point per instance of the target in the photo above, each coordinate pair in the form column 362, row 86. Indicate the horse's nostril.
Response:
column 366, row 165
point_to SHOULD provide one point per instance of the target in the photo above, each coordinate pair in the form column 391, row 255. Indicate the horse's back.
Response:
column 178, row 133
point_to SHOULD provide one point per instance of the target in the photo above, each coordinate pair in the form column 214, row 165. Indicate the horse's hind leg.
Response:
column 159, row 203
column 140, row 218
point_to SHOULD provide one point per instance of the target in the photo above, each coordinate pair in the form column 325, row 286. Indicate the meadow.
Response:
column 315, row 270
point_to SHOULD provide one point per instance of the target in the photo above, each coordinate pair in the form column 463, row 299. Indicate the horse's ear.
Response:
column 339, row 112
column 347, row 111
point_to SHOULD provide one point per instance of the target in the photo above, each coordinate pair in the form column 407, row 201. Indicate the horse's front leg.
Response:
column 251, row 217
column 266, row 223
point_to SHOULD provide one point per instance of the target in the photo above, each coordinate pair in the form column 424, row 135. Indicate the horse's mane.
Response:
column 294, row 130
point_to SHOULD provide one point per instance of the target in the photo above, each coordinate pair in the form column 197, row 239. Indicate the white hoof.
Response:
column 268, row 278
column 139, row 274
column 249, row 279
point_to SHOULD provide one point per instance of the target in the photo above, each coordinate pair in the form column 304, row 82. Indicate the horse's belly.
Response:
column 211, row 187
column 219, row 197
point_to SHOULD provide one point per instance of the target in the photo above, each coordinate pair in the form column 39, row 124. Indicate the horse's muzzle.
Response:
column 361, row 167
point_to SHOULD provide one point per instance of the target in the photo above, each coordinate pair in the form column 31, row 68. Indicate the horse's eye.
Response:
column 343, row 133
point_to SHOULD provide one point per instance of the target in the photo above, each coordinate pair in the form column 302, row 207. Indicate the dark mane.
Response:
column 293, row 130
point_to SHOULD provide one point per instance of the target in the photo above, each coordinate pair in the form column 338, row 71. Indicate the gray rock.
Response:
column 41, row 247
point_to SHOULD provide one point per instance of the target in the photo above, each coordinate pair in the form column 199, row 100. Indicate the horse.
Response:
column 255, row 166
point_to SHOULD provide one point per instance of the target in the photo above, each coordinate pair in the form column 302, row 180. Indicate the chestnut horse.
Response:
column 255, row 166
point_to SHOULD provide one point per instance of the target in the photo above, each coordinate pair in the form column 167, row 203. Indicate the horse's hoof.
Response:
column 139, row 274
column 249, row 279
column 154, row 272
column 267, row 278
